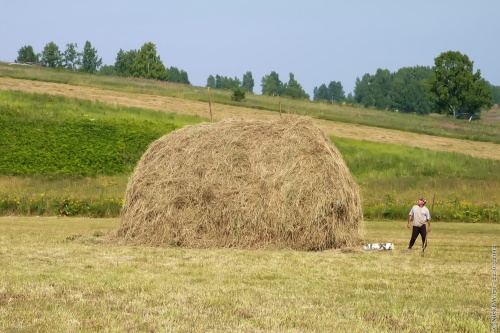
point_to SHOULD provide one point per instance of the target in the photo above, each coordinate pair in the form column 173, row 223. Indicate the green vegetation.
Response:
column 50, row 135
column 61, row 275
column 52, row 145
column 392, row 177
column 433, row 125
column 455, row 87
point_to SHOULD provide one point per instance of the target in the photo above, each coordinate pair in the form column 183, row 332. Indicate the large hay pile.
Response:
column 243, row 184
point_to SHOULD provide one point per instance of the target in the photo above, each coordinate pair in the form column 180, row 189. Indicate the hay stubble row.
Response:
column 200, row 109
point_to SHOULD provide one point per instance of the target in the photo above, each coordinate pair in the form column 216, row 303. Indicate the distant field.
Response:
column 222, row 111
column 60, row 275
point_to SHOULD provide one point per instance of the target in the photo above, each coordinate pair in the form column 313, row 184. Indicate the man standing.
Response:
column 421, row 218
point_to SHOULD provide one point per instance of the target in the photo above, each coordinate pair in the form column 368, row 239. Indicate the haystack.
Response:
column 243, row 184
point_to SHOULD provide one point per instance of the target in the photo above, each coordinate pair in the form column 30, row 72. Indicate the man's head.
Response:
column 422, row 201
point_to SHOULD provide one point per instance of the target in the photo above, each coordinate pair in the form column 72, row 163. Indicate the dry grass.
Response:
column 57, row 275
column 243, row 184
column 200, row 109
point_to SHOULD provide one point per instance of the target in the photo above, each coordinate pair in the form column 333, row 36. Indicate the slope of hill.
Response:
column 222, row 111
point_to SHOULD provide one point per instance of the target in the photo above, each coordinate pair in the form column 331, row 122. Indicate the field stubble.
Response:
column 59, row 274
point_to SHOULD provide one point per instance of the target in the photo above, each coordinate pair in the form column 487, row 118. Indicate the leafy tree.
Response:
column 321, row 93
column 211, row 82
column 184, row 76
column 455, row 88
column 271, row 84
column 147, row 63
column 178, row 76
column 51, row 56
column 375, row 90
column 336, row 91
column 408, row 90
column 224, row 82
column 293, row 89
column 124, row 61
column 380, row 88
column 26, row 55
column 71, row 58
column 90, row 61
column 248, row 82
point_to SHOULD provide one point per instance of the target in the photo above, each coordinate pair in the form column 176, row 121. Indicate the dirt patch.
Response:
column 220, row 112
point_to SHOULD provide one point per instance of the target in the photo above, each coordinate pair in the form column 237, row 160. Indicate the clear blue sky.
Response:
column 318, row 41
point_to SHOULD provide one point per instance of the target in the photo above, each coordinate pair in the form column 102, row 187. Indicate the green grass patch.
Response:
column 53, row 135
column 387, row 168
column 391, row 178
column 60, row 275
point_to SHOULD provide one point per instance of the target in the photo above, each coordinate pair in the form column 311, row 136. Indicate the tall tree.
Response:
column 124, row 61
column 224, row 82
column 148, row 64
column 321, row 93
column 293, row 89
column 71, row 58
column 408, row 90
column 380, row 87
column 248, row 82
column 375, row 90
column 51, row 56
column 336, row 92
column 177, row 76
column 90, row 61
column 456, row 88
column 211, row 82
column 26, row 55
column 361, row 89
column 271, row 84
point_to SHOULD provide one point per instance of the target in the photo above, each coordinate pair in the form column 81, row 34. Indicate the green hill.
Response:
column 65, row 155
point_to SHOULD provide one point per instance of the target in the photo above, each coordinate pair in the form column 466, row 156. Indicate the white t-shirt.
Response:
column 420, row 215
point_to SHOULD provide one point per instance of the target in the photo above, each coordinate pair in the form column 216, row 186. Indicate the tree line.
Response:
column 270, row 84
column 144, row 63
column 449, row 87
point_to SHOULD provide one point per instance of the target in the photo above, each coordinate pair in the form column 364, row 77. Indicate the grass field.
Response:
column 61, row 275
column 445, row 136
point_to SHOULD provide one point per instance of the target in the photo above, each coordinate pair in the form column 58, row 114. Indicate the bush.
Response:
column 238, row 95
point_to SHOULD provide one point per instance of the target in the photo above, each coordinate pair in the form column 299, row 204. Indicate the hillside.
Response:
column 221, row 111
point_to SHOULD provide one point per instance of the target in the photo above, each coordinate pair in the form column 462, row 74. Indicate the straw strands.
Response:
column 243, row 184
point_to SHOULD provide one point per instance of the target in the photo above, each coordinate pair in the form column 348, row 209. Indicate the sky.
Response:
column 319, row 41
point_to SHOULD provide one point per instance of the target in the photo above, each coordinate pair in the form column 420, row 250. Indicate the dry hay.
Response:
column 243, row 184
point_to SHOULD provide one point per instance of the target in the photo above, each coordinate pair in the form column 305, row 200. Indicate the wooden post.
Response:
column 279, row 102
column 210, row 105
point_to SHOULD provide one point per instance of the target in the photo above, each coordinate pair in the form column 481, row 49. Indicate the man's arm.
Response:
column 428, row 221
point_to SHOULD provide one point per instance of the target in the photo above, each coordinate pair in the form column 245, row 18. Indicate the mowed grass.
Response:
column 61, row 275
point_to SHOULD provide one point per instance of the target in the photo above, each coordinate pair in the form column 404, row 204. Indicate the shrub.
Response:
column 238, row 95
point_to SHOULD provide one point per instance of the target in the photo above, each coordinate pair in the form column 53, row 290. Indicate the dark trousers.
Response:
column 414, row 234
